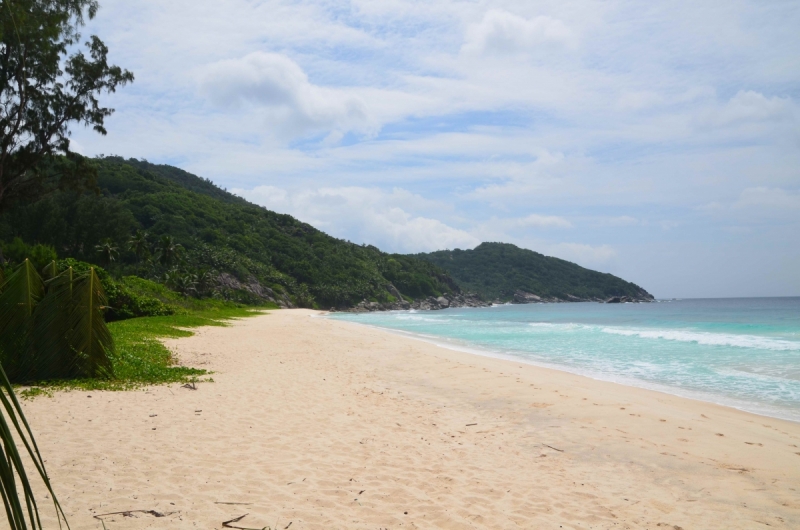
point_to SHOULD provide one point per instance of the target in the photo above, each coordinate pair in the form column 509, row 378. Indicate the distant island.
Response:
column 161, row 234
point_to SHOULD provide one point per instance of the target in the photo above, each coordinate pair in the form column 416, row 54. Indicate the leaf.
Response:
column 89, row 336
column 15, row 431
column 50, row 271
column 21, row 293
column 54, row 357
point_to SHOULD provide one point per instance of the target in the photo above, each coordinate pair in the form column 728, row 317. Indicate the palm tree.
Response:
column 108, row 252
column 168, row 250
column 138, row 244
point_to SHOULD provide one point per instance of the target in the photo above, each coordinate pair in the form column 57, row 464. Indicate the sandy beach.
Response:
column 327, row 424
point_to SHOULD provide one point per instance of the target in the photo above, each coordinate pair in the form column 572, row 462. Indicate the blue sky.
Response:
column 656, row 141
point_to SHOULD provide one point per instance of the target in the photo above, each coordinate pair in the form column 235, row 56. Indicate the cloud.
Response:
column 757, row 204
column 772, row 203
column 368, row 215
column 543, row 221
column 274, row 83
column 749, row 106
column 586, row 255
column 501, row 32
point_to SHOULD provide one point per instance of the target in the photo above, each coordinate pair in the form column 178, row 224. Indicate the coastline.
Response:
column 331, row 424
column 475, row 349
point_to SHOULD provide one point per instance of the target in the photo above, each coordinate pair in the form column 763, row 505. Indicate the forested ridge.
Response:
column 499, row 270
column 171, row 227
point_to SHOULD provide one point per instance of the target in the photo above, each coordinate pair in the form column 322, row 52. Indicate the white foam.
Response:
column 709, row 339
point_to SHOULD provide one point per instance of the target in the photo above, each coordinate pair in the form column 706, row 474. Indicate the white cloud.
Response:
column 501, row 32
column 757, row 204
column 586, row 255
column 276, row 84
column 386, row 220
column 749, row 106
column 543, row 221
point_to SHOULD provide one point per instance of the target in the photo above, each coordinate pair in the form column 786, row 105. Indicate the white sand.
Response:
column 328, row 424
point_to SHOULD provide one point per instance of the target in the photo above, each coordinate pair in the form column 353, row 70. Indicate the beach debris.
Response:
column 554, row 448
column 229, row 524
column 234, row 503
column 190, row 386
column 129, row 513
column 470, row 424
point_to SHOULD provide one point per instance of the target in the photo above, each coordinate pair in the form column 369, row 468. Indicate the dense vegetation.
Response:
column 167, row 226
column 497, row 270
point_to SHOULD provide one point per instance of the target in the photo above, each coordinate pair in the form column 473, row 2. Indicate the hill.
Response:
column 501, row 271
column 202, row 241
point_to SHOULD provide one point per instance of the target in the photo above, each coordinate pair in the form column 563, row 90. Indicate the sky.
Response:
column 658, row 141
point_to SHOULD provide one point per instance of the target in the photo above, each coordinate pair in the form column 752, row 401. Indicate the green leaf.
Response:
column 53, row 355
column 89, row 336
column 15, row 432
column 21, row 293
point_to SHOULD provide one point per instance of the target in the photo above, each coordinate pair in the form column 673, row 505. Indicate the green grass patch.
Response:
column 141, row 358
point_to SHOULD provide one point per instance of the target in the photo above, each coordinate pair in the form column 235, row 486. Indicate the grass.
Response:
column 141, row 359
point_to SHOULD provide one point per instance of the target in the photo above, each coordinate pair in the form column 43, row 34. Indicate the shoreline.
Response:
column 324, row 424
column 474, row 349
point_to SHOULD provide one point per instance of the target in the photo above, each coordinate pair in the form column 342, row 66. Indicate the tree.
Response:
column 168, row 251
column 108, row 252
column 138, row 244
column 47, row 84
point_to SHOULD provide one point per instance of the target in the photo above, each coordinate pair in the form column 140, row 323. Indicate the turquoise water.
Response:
column 742, row 352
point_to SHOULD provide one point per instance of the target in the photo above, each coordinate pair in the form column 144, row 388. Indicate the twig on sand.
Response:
column 227, row 524
column 236, row 503
column 554, row 448
column 129, row 513
column 190, row 386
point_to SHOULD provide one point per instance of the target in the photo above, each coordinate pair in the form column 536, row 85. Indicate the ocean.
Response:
column 739, row 352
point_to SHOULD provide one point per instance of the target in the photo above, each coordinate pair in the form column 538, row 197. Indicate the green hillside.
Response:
column 203, row 242
column 498, row 270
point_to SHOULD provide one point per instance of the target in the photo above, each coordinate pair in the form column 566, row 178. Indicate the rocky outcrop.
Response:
column 426, row 304
column 253, row 287
column 524, row 297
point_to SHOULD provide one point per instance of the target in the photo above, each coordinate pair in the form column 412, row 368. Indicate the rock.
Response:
column 394, row 292
column 524, row 297
column 443, row 302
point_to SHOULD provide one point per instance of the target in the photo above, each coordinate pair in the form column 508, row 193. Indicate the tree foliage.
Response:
column 48, row 83
column 196, row 233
